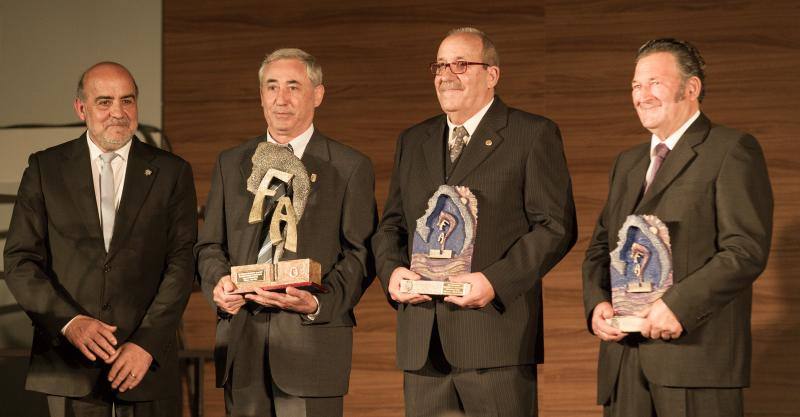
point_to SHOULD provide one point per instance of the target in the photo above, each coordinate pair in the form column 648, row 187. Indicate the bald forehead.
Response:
column 106, row 71
column 463, row 45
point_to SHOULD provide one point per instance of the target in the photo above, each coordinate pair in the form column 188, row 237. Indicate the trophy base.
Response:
column 627, row 324
column 440, row 254
column 640, row 287
column 428, row 287
column 299, row 273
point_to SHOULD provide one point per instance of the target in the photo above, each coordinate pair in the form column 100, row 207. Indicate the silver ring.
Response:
column 133, row 375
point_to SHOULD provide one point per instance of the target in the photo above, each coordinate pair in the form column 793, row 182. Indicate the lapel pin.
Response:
column 147, row 172
column 313, row 178
column 488, row 142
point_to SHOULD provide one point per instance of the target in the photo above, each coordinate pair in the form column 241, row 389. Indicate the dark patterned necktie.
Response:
column 457, row 142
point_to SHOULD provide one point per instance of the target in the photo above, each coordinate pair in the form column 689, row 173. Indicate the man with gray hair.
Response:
column 288, row 354
column 477, row 353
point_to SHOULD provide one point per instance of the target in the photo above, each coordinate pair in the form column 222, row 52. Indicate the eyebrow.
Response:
column 272, row 80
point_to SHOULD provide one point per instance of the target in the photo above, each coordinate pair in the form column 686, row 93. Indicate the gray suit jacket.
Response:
column 305, row 358
column 514, row 164
column 714, row 195
column 57, row 266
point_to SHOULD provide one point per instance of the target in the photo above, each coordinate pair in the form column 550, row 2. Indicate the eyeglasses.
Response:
column 457, row 67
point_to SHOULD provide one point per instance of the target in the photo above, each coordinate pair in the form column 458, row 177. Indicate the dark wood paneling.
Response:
column 569, row 60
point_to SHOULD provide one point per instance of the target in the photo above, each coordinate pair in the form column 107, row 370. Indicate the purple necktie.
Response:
column 659, row 155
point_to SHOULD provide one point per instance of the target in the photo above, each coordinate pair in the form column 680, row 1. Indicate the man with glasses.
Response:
column 709, row 184
column 477, row 353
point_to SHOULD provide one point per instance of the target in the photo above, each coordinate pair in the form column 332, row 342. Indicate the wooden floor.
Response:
column 570, row 60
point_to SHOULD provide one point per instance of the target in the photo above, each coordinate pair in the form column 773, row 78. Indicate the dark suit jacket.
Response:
column 305, row 358
column 57, row 267
column 714, row 195
column 514, row 164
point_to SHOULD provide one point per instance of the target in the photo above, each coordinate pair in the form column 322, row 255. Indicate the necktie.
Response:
column 457, row 142
column 107, row 197
column 659, row 155
column 265, row 253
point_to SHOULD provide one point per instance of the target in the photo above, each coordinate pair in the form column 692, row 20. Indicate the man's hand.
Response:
column 398, row 274
column 92, row 337
column 600, row 328
column 130, row 365
column 224, row 297
column 661, row 322
column 299, row 301
column 481, row 294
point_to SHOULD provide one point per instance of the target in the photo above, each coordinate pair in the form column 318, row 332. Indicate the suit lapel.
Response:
column 316, row 159
column 251, row 234
column 77, row 174
column 483, row 141
column 139, row 177
column 635, row 181
column 433, row 149
column 677, row 160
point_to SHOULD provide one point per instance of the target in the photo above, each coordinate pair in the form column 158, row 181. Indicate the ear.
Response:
column 693, row 87
column 80, row 108
column 494, row 75
column 319, row 93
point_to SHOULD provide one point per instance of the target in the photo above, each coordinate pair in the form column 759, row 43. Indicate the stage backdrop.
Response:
column 571, row 61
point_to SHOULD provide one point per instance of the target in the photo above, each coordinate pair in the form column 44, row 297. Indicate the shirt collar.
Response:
column 299, row 143
column 95, row 151
column 472, row 123
column 672, row 139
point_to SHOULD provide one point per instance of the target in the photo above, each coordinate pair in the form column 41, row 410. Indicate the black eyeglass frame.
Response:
column 438, row 68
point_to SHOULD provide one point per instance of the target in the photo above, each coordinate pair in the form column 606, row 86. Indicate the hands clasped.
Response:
column 293, row 299
column 95, row 339
column 659, row 322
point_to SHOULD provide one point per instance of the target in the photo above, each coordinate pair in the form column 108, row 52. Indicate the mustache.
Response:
column 450, row 85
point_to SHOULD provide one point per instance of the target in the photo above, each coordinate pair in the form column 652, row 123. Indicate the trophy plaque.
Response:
column 443, row 243
column 281, row 185
column 641, row 269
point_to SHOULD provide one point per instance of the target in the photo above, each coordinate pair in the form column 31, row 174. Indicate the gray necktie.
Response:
column 457, row 143
column 107, row 198
column 659, row 155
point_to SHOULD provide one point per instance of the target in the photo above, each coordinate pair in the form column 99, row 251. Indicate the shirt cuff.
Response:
column 313, row 316
column 64, row 329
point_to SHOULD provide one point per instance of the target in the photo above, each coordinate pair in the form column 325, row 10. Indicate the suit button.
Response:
column 106, row 268
column 106, row 307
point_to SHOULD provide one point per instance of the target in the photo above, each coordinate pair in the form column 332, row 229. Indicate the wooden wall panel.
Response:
column 569, row 60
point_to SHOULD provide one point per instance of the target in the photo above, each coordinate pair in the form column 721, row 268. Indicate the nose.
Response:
column 116, row 109
column 282, row 97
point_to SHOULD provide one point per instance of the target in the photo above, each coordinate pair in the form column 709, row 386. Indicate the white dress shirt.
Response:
column 471, row 124
column 670, row 141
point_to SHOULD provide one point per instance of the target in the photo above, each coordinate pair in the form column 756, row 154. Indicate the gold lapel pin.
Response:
column 488, row 142
column 147, row 172
column 313, row 178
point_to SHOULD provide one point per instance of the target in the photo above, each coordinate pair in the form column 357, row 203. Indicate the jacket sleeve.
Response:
column 353, row 272
column 211, row 250
column 27, row 259
column 390, row 242
column 550, row 211
column 744, row 207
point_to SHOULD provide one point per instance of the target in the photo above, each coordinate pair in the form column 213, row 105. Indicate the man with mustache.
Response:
column 288, row 354
column 99, row 255
column 709, row 185
column 477, row 353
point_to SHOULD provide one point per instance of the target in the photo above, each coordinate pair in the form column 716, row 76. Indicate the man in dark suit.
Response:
column 289, row 354
column 709, row 185
column 99, row 255
column 477, row 353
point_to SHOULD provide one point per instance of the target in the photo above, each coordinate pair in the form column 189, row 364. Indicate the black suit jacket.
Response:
column 515, row 165
column 305, row 358
column 714, row 195
column 57, row 266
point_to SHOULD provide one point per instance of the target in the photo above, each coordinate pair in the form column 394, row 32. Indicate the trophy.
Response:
column 443, row 243
column 641, row 269
column 276, row 173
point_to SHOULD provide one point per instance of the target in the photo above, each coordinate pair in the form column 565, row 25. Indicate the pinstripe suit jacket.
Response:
column 714, row 195
column 515, row 166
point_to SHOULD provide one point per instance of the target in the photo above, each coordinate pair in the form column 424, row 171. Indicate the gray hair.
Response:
column 489, row 52
column 690, row 62
column 79, row 91
column 313, row 69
